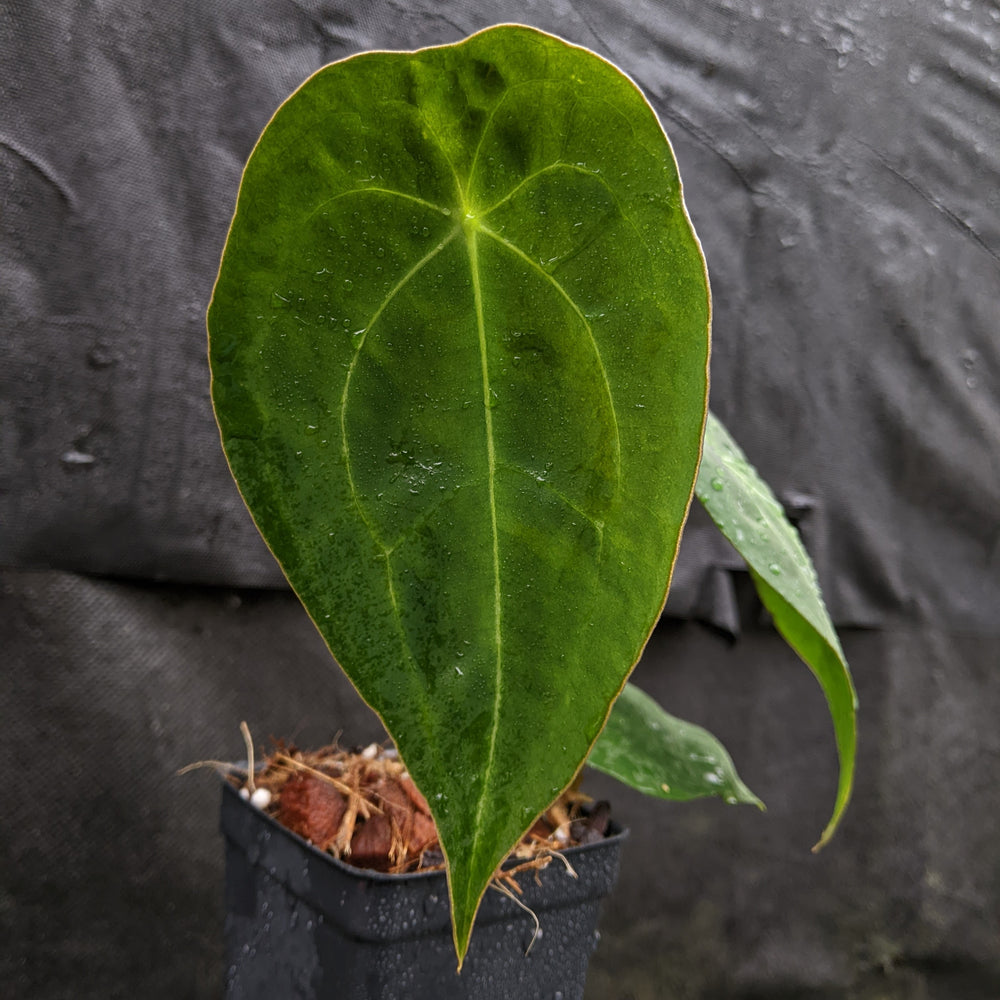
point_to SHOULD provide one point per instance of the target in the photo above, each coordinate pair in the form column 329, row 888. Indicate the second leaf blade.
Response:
column 747, row 513
column 663, row 756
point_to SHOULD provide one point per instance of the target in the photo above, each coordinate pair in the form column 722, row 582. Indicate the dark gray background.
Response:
column 842, row 166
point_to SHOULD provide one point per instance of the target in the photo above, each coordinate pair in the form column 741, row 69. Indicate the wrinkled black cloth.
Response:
column 111, row 883
column 841, row 165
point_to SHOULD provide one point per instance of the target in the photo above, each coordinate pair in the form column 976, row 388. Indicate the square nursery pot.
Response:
column 301, row 925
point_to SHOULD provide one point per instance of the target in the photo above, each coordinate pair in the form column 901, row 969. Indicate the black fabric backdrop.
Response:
column 842, row 166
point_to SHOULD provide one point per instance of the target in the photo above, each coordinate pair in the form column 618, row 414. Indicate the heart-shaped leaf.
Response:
column 459, row 345
column 747, row 513
column 663, row 756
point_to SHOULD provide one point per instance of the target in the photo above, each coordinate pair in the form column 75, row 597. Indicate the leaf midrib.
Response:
column 471, row 233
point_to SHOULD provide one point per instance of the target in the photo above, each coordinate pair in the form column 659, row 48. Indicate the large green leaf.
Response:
column 661, row 755
column 459, row 345
column 744, row 508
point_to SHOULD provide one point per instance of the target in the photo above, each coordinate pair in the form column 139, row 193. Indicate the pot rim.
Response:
column 616, row 833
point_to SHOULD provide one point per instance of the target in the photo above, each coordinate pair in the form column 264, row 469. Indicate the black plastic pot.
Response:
column 301, row 925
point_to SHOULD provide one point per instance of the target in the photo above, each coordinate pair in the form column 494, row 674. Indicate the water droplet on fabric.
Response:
column 76, row 457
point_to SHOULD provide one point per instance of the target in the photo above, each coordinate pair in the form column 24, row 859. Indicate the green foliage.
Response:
column 664, row 756
column 459, row 348
column 459, row 345
column 745, row 510
column 642, row 745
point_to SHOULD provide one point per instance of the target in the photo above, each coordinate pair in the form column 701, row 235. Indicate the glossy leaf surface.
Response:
column 661, row 755
column 459, row 345
column 746, row 511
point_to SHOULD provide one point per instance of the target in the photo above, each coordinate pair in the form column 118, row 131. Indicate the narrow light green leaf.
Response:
column 746, row 511
column 459, row 346
column 661, row 755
